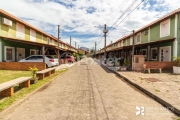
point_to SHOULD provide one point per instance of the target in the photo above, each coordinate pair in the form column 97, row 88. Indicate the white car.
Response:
column 49, row 60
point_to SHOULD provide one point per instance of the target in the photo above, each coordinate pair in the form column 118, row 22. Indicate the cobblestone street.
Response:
column 88, row 92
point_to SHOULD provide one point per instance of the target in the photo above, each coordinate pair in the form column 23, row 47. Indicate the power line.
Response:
column 122, row 14
column 129, row 14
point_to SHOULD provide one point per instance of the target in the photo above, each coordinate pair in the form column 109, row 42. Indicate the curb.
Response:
column 17, row 103
column 156, row 98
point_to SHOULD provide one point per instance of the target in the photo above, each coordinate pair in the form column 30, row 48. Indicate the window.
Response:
column 32, row 52
column 39, row 57
column 32, row 35
column 154, row 53
column 165, row 28
column 131, row 41
column 139, row 38
column 9, row 53
column 122, row 43
column 48, row 40
column 144, row 52
column 20, row 31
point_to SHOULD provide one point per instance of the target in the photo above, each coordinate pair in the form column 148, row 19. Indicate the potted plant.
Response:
column 176, row 68
column 33, row 70
column 125, row 65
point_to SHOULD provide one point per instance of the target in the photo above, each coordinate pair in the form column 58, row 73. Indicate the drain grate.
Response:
column 152, row 79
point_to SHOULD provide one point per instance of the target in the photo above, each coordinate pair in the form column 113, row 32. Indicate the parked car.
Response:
column 49, row 60
column 69, row 58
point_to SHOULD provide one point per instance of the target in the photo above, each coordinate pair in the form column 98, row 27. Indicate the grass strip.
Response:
column 7, row 101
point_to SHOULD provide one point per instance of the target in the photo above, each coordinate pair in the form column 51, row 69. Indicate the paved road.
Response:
column 88, row 92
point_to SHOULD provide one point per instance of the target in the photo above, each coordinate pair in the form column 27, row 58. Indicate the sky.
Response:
column 84, row 20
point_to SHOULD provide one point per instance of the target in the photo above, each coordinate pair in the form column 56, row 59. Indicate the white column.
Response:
column 0, row 50
column 175, row 43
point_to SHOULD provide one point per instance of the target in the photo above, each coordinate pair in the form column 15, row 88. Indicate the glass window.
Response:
column 138, row 38
column 39, row 57
column 165, row 28
column 154, row 53
column 9, row 54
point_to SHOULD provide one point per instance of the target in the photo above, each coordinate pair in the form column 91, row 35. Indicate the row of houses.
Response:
column 157, row 41
column 19, row 40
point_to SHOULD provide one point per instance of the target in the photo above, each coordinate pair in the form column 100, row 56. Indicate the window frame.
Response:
column 151, row 53
column 139, row 34
column 32, row 38
column 34, row 51
column 146, row 53
column 5, row 53
column 169, row 26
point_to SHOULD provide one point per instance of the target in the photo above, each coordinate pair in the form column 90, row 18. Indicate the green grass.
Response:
column 7, row 75
column 157, row 90
column 7, row 101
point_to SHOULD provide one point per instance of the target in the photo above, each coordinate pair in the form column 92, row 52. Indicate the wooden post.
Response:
column 43, row 53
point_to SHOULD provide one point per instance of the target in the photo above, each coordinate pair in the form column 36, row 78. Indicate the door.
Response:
column 20, row 53
column 165, row 54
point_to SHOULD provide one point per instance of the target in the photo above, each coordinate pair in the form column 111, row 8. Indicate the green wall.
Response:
column 8, row 31
column 17, row 45
column 165, row 44
column 27, row 34
column 178, row 35
column 155, row 31
column 144, row 38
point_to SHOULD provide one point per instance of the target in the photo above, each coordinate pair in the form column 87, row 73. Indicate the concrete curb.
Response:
column 153, row 96
column 17, row 103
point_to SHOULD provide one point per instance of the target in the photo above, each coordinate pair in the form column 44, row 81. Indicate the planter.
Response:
column 123, row 68
column 176, row 70
column 33, row 81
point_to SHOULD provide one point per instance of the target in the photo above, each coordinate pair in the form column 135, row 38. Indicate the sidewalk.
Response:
column 162, row 87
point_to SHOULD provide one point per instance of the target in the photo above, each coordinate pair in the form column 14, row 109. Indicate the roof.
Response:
column 23, row 22
column 152, row 23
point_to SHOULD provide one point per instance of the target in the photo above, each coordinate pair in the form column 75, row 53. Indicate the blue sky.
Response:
column 84, row 19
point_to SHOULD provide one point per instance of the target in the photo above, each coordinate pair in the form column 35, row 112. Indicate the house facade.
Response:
column 19, row 40
column 157, row 41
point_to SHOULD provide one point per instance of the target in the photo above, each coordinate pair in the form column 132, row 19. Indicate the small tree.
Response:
column 33, row 71
column 177, row 61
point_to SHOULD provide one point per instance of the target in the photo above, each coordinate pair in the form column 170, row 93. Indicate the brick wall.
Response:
column 164, row 65
column 21, row 65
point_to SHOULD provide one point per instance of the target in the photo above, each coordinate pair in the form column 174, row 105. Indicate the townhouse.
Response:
column 19, row 39
column 157, row 41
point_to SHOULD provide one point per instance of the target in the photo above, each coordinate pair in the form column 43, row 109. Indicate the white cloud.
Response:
column 46, row 15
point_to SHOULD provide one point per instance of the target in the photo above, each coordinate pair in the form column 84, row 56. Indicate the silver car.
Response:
column 49, row 60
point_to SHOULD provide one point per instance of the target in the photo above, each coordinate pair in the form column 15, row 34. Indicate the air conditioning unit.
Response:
column 6, row 21
column 145, row 32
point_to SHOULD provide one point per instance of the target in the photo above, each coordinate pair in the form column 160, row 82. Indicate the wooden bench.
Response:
column 44, row 73
column 7, row 88
column 154, row 67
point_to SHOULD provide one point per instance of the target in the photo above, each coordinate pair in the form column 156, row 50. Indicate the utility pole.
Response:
column 75, row 44
column 58, row 55
column 111, row 42
column 133, row 51
column 95, row 50
column 105, row 32
column 58, row 34
column 78, row 46
column 70, row 40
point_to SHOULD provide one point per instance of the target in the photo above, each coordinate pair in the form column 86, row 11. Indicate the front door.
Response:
column 165, row 54
column 20, row 53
